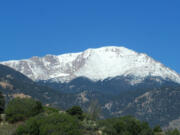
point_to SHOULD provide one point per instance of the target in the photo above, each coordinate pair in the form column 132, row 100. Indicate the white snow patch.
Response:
column 95, row 64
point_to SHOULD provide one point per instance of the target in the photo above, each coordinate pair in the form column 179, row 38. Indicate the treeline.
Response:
column 36, row 119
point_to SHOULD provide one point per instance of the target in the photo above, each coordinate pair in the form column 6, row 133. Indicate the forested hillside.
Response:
column 25, row 116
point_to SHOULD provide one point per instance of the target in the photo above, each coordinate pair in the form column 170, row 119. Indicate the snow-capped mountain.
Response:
column 95, row 64
column 123, row 81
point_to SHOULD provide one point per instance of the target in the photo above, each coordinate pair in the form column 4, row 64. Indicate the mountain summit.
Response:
column 95, row 64
column 123, row 81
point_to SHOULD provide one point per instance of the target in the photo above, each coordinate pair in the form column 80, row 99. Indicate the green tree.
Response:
column 76, row 111
column 2, row 103
column 157, row 129
column 145, row 129
column 20, row 109
column 126, row 125
column 31, row 127
column 50, row 110
column 172, row 132
column 53, row 124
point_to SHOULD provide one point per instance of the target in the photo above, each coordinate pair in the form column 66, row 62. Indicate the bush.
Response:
column 126, row 125
column 20, row 109
column 53, row 124
column 157, row 129
column 2, row 103
column 76, row 111
column 172, row 132
column 50, row 110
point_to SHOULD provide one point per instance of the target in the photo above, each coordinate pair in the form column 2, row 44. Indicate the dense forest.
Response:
column 26, row 116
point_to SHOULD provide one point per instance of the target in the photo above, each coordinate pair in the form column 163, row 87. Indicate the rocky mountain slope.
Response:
column 94, row 64
column 15, row 84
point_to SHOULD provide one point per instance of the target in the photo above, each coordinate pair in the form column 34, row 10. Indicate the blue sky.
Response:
column 39, row 27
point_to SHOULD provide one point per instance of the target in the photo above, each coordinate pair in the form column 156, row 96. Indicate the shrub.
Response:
column 31, row 127
column 50, row 110
column 157, row 129
column 20, row 109
column 53, row 124
column 2, row 103
column 76, row 111
column 172, row 132
column 126, row 125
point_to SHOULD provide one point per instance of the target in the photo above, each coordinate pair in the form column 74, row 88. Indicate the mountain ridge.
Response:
column 95, row 64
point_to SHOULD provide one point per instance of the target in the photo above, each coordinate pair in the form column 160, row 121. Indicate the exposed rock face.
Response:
column 20, row 95
column 6, row 85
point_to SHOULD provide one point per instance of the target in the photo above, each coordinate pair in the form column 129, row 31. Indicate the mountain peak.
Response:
column 114, row 49
column 110, row 48
column 95, row 64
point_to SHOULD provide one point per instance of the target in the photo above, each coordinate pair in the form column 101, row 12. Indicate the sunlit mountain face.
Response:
column 122, row 80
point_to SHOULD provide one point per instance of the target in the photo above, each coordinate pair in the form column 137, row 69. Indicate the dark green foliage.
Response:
column 157, row 129
column 53, row 124
column 50, row 110
column 31, row 127
column 125, row 126
column 2, row 103
column 172, row 132
column 76, row 111
column 20, row 109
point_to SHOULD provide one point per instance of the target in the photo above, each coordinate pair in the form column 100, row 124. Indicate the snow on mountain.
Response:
column 95, row 64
